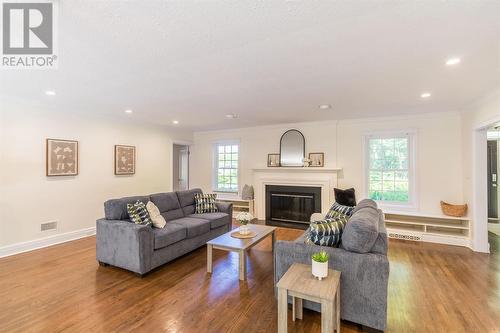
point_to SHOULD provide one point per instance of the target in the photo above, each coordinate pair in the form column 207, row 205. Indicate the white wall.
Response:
column 475, row 121
column 439, row 153
column 28, row 197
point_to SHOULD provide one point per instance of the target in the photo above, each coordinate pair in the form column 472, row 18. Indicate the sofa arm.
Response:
column 124, row 244
column 363, row 279
column 225, row 207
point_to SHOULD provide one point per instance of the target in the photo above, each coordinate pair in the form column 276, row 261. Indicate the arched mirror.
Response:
column 292, row 149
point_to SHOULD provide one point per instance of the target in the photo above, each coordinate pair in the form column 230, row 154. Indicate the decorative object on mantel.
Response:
column 292, row 148
column 453, row 210
column 320, row 265
column 317, row 159
column 243, row 219
column 273, row 160
column 247, row 192
column 306, row 162
column 61, row 157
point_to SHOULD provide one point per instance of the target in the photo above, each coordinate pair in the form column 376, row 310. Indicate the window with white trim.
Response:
column 390, row 168
column 226, row 167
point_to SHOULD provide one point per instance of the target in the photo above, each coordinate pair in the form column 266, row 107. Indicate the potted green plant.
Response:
column 320, row 265
column 243, row 219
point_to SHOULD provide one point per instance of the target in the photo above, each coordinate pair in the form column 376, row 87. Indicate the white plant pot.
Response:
column 244, row 230
column 320, row 269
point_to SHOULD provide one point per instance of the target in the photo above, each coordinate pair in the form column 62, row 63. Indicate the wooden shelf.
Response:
column 453, row 229
column 239, row 205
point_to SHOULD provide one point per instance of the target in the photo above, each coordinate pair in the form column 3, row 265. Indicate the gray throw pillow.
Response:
column 361, row 231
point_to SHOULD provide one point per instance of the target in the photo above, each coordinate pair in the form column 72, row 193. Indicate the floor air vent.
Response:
column 48, row 226
column 397, row 235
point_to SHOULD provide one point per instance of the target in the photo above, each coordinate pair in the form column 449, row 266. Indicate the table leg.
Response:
column 282, row 310
column 337, row 310
column 327, row 316
column 209, row 258
column 242, row 265
column 297, row 308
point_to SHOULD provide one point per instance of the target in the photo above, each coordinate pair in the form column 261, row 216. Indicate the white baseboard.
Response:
column 9, row 250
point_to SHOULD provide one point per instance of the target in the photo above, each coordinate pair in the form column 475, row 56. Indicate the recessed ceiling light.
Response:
column 325, row 106
column 175, row 122
column 452, row 61
column 231, row 116
column 425, row 95
column 50, row 93
column 128, row 111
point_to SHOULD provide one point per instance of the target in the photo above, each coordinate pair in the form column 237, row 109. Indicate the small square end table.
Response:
column 299, row 283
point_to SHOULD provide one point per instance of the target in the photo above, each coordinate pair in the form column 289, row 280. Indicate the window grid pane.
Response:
column 388, row 169
column 227, row 168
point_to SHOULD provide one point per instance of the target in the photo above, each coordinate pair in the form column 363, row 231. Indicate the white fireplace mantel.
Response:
column 325, row 178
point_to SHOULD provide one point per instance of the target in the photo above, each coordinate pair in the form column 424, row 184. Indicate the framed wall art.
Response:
column 273, row 160
column 61, row 157
column 317, row 159
column 124, row 160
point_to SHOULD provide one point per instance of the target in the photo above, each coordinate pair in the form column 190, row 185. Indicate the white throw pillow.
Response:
column 154, row 214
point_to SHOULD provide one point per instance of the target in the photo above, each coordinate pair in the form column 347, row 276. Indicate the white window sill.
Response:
column 396, row 207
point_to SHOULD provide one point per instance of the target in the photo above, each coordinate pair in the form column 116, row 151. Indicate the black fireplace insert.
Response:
column 291, row 206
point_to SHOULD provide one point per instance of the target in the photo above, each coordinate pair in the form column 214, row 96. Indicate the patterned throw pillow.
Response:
column 327, row 232
column 138, row 213
column 205, row 203
column 338, row 208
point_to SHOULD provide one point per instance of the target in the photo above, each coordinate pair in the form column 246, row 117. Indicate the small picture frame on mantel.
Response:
column 317, row 159
column 273, row 160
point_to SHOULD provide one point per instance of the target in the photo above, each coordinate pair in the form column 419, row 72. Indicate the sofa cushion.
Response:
column 205, row 203
column 345, row 197
column 170, row 234
column 216, row 219
column 168, row 204
column 338, row 208
column 116, row 209
column 154, row 214
column 327, row 232
column 186, row 200
column 361, row 231
column 365, row 203
column 194, row 226
column 166, row 201
column 138, row 213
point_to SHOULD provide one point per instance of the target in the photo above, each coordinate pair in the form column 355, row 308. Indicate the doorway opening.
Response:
column 493, row 156
column 180, row 167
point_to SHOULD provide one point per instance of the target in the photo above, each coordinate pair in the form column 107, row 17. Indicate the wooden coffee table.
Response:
column 228, row 243
column 299, row 283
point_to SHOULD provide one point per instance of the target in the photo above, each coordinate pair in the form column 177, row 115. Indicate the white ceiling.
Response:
column 267, row 61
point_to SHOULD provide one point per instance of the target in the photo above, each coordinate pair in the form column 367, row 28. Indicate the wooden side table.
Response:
column 299, row 283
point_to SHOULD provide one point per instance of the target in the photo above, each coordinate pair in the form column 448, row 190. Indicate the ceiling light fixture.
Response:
column 175, row 122
column 231, row 116
column 50, row 93
column 128, row 111
column 325, row 106
column 425, row 95
column 452, row 61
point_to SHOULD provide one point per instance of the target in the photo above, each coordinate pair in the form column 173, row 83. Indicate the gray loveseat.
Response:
column 140, row 248
column 362, row 261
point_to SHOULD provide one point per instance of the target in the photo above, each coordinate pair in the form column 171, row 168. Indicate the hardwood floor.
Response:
column 432, row 288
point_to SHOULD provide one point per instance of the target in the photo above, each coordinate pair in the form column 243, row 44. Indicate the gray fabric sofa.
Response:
column 362, row 261
column 139, row 248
